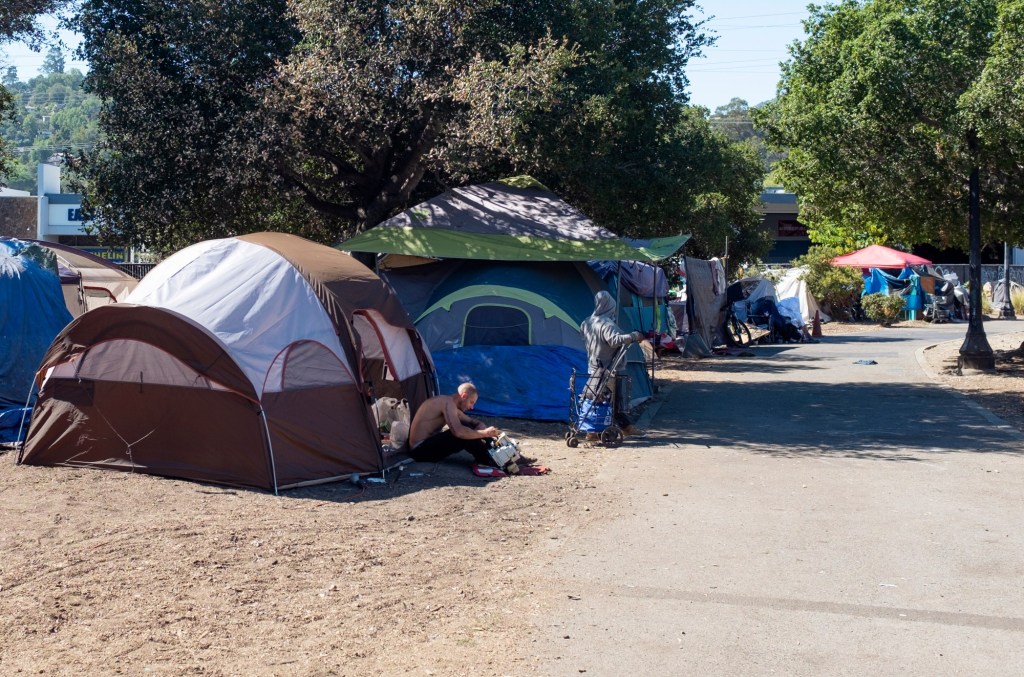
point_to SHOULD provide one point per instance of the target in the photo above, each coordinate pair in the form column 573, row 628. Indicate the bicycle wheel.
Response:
column 739, row 333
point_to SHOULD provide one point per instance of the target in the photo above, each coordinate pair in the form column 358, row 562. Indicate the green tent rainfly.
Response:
column 496, row 276
column 515, row 219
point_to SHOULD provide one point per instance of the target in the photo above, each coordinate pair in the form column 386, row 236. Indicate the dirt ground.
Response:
column 429, row 574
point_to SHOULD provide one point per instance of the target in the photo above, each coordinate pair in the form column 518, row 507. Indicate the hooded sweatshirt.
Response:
column 601, row 335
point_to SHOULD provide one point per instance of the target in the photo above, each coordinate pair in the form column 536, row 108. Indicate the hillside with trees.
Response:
column 49, row 116
column 19, row 22
column 736, row 121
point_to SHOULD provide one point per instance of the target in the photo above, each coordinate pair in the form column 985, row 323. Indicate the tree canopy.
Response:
column 879, row 109
column 324, row 117
column 18, row 19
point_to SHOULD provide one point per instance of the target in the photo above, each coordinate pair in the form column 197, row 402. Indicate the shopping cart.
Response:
column 605, row 396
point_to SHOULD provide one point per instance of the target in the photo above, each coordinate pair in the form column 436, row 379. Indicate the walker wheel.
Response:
column 568, row 434
column 572, row 442
column 611, row 436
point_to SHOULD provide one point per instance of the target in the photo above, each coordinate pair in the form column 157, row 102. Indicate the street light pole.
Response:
column 1006, row 310
column 975, row 353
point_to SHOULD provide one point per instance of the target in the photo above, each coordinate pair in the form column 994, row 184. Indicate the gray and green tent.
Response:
column 495, row 277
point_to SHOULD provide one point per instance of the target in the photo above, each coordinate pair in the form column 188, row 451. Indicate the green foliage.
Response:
column 877, row 109
column 324, row 117
column 836, row 288
column 735, row 120
column 883, row 308
column 18, row 19
column 771, row 273
column 54, row 62
column 181, row 156
column 18, row 22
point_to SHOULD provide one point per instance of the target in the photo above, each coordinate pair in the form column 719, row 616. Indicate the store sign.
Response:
column 75, row 214
column 112, row 254
column 792, row 228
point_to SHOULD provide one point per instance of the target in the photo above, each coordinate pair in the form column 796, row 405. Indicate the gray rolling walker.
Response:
column 611, row 390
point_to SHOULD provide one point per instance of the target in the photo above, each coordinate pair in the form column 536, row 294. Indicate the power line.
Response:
column 760, row 26
column 744, row 61
column 756, row 16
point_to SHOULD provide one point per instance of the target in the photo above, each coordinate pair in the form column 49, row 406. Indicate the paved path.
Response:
column 797, row 513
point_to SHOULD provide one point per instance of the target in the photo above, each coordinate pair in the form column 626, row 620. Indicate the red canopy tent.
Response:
column 877, row 256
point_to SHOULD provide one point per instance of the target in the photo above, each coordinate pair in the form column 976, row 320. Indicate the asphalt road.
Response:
column 798, row 513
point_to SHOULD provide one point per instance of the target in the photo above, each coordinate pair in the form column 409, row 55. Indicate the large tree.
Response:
column 879, row 109
column 327, row 116
column 180, row 88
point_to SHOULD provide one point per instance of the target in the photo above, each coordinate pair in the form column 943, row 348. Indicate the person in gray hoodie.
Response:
column 602, row 338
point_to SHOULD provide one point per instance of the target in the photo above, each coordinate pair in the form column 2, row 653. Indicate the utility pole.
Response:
column 975, row 353
column 1006, row 310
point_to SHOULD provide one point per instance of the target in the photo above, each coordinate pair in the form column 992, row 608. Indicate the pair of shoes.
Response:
column 593, row 437
column 632, row 431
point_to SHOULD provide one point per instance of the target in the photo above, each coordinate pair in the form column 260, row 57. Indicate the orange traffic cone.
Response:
column 816, row 325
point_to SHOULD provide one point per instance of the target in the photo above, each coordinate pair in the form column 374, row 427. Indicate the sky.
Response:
column 27, row 62
column 744, row 63
column 752, row 39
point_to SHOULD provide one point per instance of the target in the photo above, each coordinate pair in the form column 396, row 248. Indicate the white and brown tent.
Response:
column 248, row 361
column 88, row 281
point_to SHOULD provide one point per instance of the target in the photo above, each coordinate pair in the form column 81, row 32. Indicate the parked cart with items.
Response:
column 597, row 410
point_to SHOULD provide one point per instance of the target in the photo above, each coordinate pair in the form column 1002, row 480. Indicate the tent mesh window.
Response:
column 497, row 326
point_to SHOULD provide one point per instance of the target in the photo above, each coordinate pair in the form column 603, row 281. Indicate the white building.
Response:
column 58, row 216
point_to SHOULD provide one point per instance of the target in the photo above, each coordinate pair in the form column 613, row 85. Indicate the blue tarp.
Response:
column 32, row 313
column 11, row 421
column 880, row 282
column 908, row 284
column 529, row 382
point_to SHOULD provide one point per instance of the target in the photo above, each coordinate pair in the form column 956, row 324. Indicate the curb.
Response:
column 964, row 399
column 651, row 411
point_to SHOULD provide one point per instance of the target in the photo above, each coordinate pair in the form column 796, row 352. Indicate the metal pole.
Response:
column 975, row 353
column 1006, row 312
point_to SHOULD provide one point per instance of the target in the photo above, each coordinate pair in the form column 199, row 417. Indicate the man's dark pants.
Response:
column 443, row 444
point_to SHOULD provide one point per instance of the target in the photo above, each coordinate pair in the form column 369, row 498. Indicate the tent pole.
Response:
column 655, row 325
column 21, row 427
column 270, row 448
column 618, row 291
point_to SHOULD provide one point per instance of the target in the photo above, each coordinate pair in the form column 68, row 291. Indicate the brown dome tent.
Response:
column 248, row 361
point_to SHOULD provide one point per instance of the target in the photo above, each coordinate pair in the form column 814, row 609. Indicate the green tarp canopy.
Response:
column 515, row 219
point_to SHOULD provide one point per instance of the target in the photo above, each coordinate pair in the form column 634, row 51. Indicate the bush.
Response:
column 883, row 308
column 1017, row 299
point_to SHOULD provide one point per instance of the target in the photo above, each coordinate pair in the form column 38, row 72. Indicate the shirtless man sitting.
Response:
column 428, row 441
